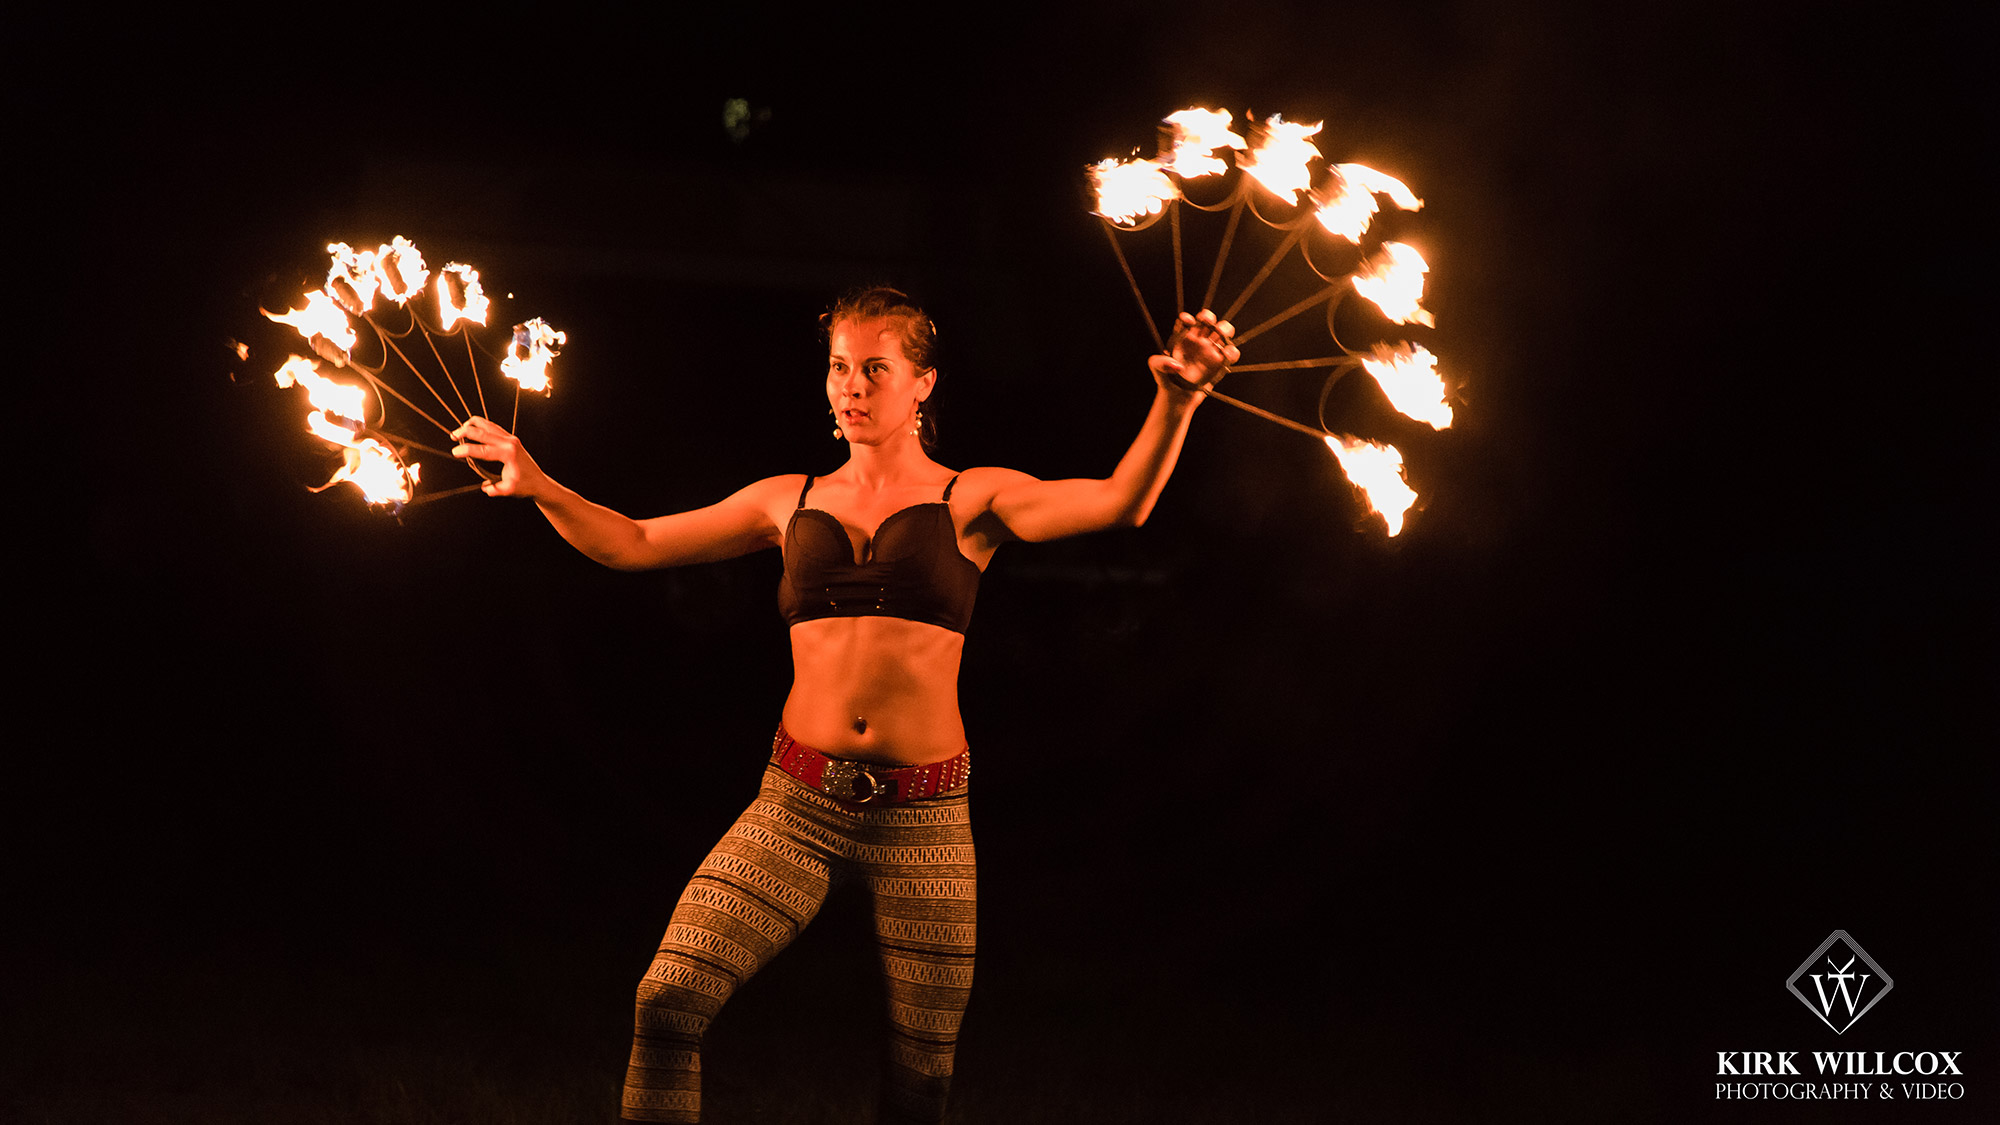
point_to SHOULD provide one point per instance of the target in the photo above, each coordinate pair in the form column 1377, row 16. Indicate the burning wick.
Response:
column 1194, row 136
column 527, row 361
column 1128, row 191
column 1279, row 154
column 353, row 278
column 402, row 270
column 376, row 470
column 1408, row 376
column 1349, row 199
column 1377, row 470
column 1394, row 281
column 344, row 399
column 460, row 296
column 321, row 317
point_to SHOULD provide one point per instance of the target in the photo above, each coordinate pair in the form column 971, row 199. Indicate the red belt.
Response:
column 865, row 783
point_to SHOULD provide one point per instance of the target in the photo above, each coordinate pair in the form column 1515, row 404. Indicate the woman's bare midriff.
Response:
column 876, row 689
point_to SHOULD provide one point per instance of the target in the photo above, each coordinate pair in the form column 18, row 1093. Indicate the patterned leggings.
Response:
column 760, row 886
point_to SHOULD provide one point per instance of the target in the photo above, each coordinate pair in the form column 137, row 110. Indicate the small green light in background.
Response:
column 738, row 118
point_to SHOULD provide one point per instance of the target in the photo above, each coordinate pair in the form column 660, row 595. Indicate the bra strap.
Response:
column 809, row 488
column 947, row 489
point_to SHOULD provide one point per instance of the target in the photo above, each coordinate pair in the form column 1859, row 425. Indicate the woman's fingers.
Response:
column 1204, row 327
column 479, row 439
column 1201, row 347
column 469, row 446
column 483, row 440
column 476, row 428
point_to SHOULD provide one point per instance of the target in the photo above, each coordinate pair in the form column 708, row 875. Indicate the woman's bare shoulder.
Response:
column 985, row 480
column 775, row 486
column 765, row 502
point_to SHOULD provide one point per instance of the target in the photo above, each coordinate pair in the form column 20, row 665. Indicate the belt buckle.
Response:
column 842, row 779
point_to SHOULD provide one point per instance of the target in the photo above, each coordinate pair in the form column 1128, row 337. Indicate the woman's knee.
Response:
column 679, row 995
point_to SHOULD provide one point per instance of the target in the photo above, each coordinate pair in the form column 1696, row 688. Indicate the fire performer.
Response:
column 867, row 779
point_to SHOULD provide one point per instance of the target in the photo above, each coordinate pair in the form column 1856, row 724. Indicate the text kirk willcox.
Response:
column 1853, row 1063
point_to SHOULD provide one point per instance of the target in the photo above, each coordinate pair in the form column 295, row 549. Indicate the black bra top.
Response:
column 913, row 568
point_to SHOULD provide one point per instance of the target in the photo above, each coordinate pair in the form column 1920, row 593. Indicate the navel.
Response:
column 860, row 725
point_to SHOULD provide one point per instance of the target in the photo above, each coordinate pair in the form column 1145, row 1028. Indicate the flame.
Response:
column 1408, row 375
column 366, row 463
column 355, row 272
column 1394, row 280
column 1131, row 190
column 1377, row 470
column 401, row 269
column 332, row 431
column 1197, row 133
column 459, row 295
column 344, row 399
column 320, row 317
column 373, row 468
column 1349, row 196
column 1279, row 152
column 527, row 361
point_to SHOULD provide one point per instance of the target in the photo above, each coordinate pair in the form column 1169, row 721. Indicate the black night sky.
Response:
column 322, row 816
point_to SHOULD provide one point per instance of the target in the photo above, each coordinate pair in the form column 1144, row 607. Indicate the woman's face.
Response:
column 873, row 388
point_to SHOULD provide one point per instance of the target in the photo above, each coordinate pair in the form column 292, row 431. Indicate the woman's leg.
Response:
column 922, row 881
column 756, row 890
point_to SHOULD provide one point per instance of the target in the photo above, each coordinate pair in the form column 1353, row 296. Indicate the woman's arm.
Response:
column 738, row 525
column 1036, row 510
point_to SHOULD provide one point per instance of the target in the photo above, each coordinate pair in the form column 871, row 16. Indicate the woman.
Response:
column 868, row 775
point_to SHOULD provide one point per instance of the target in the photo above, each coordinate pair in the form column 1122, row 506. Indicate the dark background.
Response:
column 323, row 815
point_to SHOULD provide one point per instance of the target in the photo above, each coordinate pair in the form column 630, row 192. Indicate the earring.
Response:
column 918, row 429
column 836, row 426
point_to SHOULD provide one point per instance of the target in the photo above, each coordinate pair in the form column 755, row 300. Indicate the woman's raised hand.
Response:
column 519, row 475
column 1199, row 353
